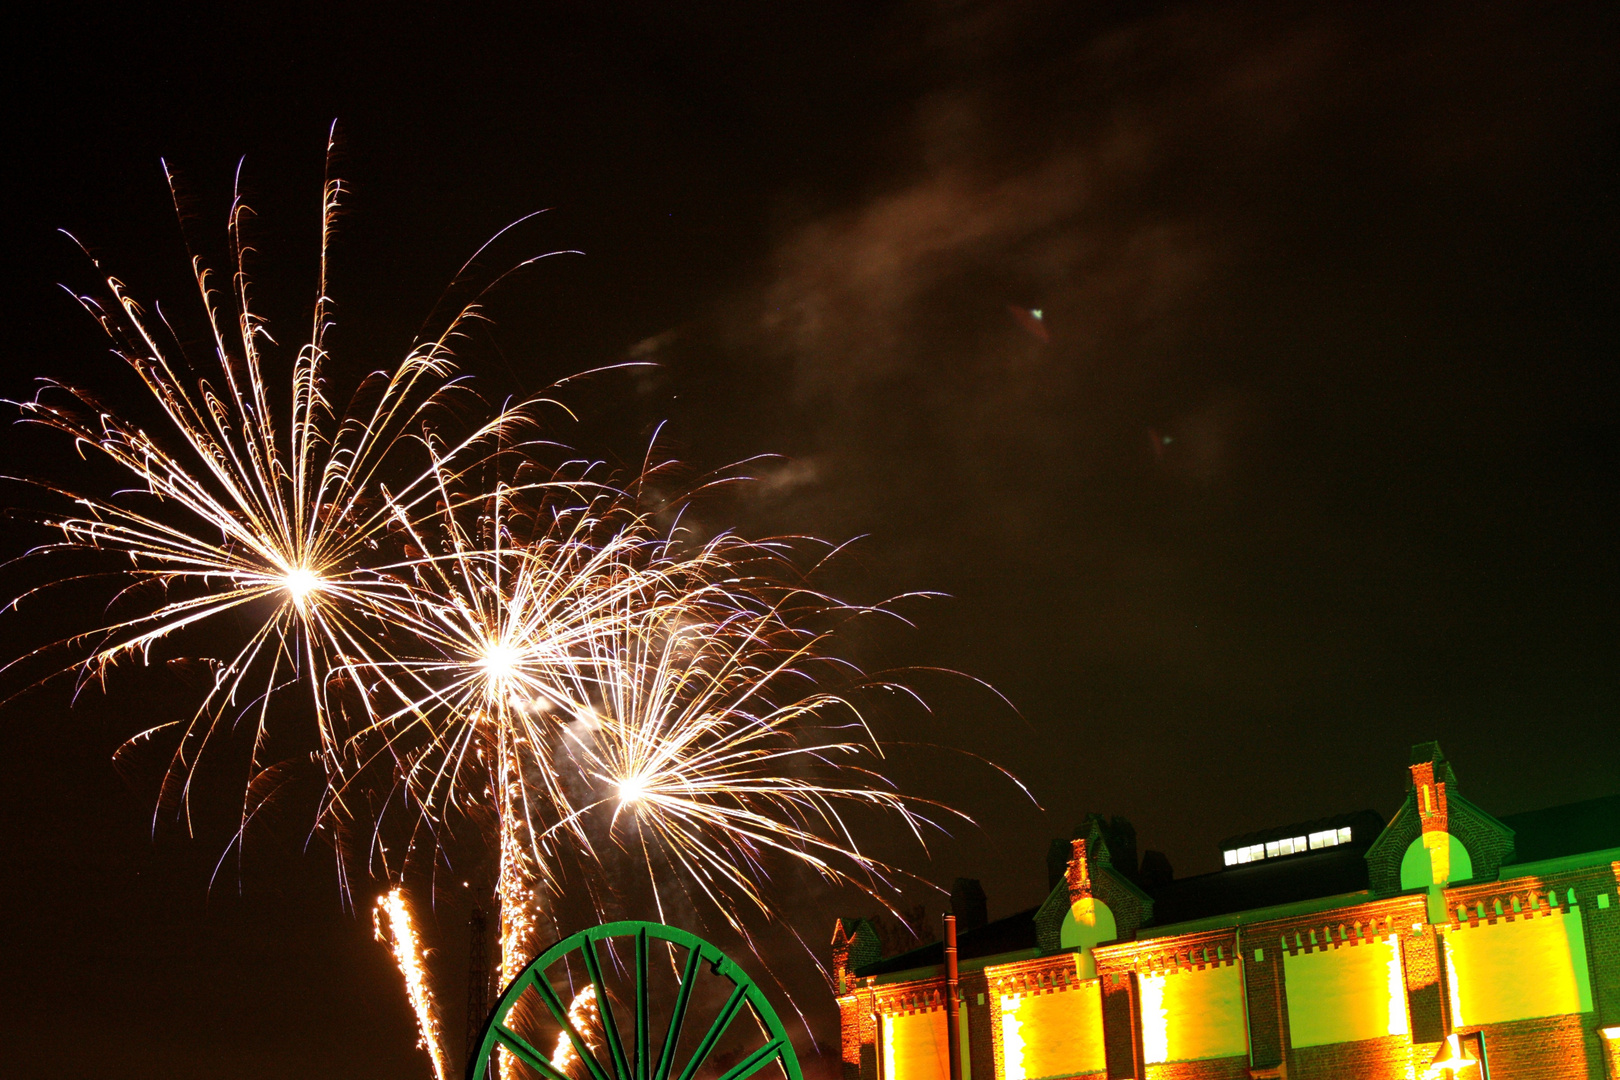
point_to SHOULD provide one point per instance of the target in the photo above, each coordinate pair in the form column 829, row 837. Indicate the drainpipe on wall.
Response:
column 953, row 1020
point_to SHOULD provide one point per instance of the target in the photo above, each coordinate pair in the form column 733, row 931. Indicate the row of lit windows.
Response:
column 1274, row 848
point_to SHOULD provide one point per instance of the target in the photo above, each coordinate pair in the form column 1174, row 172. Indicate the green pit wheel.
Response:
column 680, row 996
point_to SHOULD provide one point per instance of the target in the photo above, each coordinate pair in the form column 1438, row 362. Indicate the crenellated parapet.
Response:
column 1285, row 963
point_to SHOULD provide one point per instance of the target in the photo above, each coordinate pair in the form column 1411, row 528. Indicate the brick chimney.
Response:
column 1078, row 873
column 854, row 945
column 1430, row 789
column 1431, row 774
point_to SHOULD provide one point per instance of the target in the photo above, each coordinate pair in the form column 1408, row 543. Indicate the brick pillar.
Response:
column 868, row 1038
column 869, row 1061
column 1426, row 1005
column 1603, row 950
column 980, row 1028
column 849, row 1032
column 1262, row 981
column 998, row 1062
column 1122, row 1027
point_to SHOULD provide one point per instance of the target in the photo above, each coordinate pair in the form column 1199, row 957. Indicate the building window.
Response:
column 1274, row 849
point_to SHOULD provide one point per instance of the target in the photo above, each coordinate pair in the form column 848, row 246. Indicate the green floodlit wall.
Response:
column 1192, row 1015
column 1417, row 865
column 914, row 1046
column 1518, row 970
column 1056, row 1034
column 1345, row 994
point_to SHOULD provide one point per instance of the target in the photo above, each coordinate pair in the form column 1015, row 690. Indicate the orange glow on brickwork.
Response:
column 1192, row 1015
column 1346, row 994
column 1519, row 969
column 1052, row 1034
column 915, row 1047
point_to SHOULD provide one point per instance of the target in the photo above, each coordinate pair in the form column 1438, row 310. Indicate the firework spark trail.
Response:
column 584, row 1017
column 583, row 665
column 232, row 512
column 715, row 749
column 532, row 651
column 508, row 620
column 391, row 921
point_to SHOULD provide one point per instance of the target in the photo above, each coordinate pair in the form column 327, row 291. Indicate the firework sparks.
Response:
column 712, row 753
column 585, row 1019
column 531, row 652
column 506, row 624
column 235, row 511
column 391, row 920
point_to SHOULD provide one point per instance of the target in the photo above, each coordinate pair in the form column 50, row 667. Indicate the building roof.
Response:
column 1571, row 829
column 1005, row 935
column 1557, row 832
column 1329, row 872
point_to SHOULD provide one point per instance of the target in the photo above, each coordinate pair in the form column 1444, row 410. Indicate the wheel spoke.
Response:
column 610, row 1029
column 717, row 1029
column 641, row 1004
column 500, row 1038
column 559, row 1013
column 527, row 1054
column 755, row 1061
column 694, row 957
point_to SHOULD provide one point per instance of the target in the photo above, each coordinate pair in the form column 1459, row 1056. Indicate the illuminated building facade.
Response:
column 1343, row 948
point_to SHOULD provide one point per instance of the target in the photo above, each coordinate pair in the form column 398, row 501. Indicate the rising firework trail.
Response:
column 392, row 925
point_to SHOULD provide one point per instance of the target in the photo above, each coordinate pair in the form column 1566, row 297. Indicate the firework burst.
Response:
column 479, row 633
column 243, row 503
column 730, row 739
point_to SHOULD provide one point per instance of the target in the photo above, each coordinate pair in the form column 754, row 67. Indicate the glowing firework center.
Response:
column 299, row 583
column 1447, row 943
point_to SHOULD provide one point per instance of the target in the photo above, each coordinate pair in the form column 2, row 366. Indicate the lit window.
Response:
column 1344, row 835
column 1257, row 852
column 1319, row 840
column 1273, row 849
column 1299, row 843
column 1230, row 857
column 1243, row 855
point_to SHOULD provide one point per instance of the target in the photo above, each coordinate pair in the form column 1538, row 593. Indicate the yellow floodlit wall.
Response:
column 1056, row 1034
column 1517, row 970
column 1191, row 1015
column 914, row 1046
column 1344, row 994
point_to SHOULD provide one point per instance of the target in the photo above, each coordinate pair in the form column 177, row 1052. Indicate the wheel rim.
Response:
column 634, row 964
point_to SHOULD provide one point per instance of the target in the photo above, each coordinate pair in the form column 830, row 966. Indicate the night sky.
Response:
column 1313, row 453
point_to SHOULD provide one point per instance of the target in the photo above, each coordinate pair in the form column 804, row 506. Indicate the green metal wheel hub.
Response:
column 654, row 973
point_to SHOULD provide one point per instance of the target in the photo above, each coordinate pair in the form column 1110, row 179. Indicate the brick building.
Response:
column 1343, row 948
